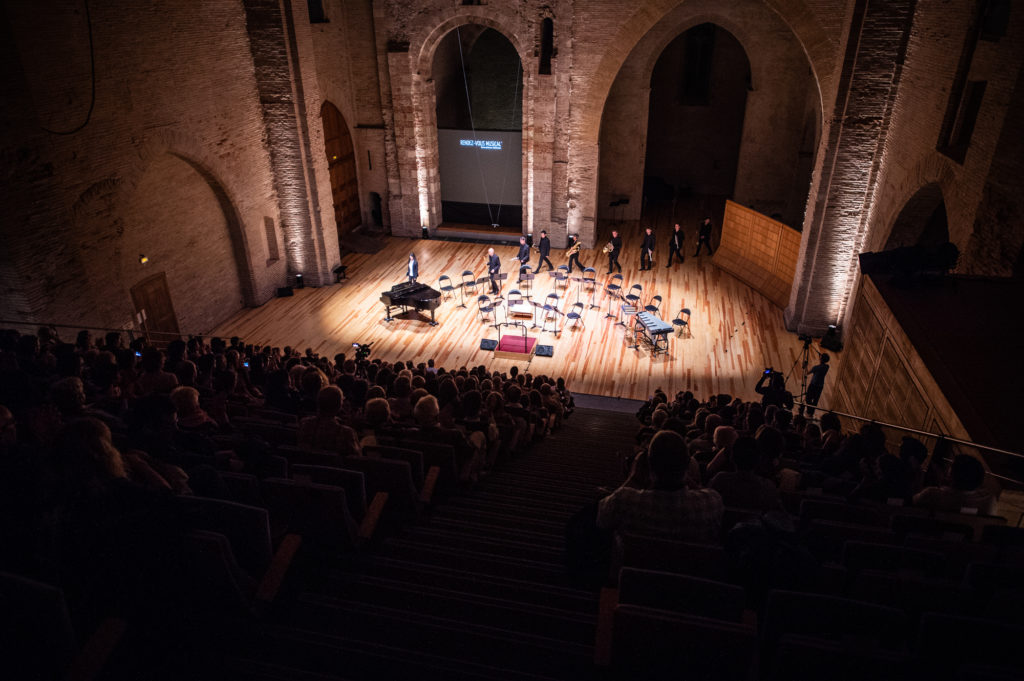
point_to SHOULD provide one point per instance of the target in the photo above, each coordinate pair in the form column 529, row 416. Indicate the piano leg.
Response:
column 387, row 313
column 432, row 322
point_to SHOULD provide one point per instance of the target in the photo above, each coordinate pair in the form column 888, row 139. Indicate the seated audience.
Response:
column 963, row 491
column 655, row 500
column 325, row 430
column 744, row 488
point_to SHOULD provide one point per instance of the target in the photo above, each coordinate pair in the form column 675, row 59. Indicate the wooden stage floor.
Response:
column 735, row 332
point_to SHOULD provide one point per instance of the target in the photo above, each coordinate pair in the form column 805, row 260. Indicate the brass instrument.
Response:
column 575, row 248
column 608, row 248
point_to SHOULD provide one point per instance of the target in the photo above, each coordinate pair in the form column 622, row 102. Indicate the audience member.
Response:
column 654, row 500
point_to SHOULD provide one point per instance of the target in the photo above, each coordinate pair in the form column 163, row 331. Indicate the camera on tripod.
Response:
column 362, row 350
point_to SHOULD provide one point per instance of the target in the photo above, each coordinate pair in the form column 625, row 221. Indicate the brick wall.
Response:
column 222, row 100
column 172, row 155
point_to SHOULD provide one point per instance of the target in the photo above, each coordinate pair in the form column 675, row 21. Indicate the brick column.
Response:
column 854, row 138
column 282, row 96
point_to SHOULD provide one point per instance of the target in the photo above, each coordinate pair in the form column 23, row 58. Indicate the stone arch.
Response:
column 425, row 51
column 193, row 153
column 933, row 173
column 921, row 221
column 427, row 174
column 765, row 178
column 794, row 13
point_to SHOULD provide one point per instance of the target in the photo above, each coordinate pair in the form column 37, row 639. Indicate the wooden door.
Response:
column 152, row 301
column 341, row 161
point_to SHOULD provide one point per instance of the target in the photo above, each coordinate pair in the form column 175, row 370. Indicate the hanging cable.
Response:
column 512, row 122
column 92, row 69
column 476, row 146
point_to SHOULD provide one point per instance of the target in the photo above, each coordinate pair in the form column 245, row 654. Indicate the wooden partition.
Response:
column 759, row 251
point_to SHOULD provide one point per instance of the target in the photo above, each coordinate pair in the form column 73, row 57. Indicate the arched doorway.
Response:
column 341, row 162
column 922, row 222
column 712, row 98
column 695, row 121
column 181, row 241
column 478, row 86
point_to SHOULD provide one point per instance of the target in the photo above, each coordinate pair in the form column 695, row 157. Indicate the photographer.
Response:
column 817, row 383
column 775, row 392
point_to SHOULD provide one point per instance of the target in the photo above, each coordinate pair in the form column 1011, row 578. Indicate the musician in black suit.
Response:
column 493, row 269
column 675, row 245
column 412, row 270
column 613, row 255
column 704, row 235
column 545, row 250
column 647, row 250
column 574, row 252
column 523, row 256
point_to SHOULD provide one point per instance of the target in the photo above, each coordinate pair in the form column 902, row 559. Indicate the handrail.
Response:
column 908, row 429
column 82, row 327
column 948, row 438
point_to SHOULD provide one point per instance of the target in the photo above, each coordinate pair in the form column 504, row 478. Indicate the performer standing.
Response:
column 545, row 250
column 675, row 245
column 704, row 235
column 613, row 254
column 524, row 253
column 647, row 250
column 574, row 252
column 413, row 269
column 817, row 383
column 493, row 269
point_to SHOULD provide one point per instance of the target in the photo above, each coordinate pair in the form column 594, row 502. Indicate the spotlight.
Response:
column 143, row 259
column 425, row 232
column 831, row 340
column 298, row 281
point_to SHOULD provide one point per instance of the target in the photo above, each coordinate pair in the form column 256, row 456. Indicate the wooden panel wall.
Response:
column 882, row 377
column 759, row 251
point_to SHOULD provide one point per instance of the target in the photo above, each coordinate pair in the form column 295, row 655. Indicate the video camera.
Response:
column 362, row 350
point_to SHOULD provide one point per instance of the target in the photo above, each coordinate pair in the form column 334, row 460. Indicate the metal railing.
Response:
column 938, row 437
column 161, row 337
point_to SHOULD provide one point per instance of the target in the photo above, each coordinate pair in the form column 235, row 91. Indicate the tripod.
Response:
column 802, row 359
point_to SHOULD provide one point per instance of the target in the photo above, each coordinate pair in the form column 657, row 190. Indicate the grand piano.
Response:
column 410, row 295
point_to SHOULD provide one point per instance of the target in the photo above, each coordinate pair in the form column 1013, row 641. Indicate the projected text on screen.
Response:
column 494, row 145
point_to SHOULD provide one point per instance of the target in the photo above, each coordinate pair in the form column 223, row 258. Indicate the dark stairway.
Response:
column 476, row 591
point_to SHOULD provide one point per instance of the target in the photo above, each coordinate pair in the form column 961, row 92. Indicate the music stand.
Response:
column 502, row 276
column 486, row 280
column 528, row 278
column 579, row 286
column 592, row 282
column 496, row 302
column 462, row 292
column 536, row 306
column 611, row 295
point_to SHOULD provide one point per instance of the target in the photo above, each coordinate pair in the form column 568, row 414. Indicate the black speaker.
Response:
column 488, row 344
column 545, row 351
column 285, row 291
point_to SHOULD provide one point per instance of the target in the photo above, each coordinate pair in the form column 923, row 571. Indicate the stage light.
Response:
column 298, row 281
column 425, row 232
column 831, row 340
column 143, row 259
